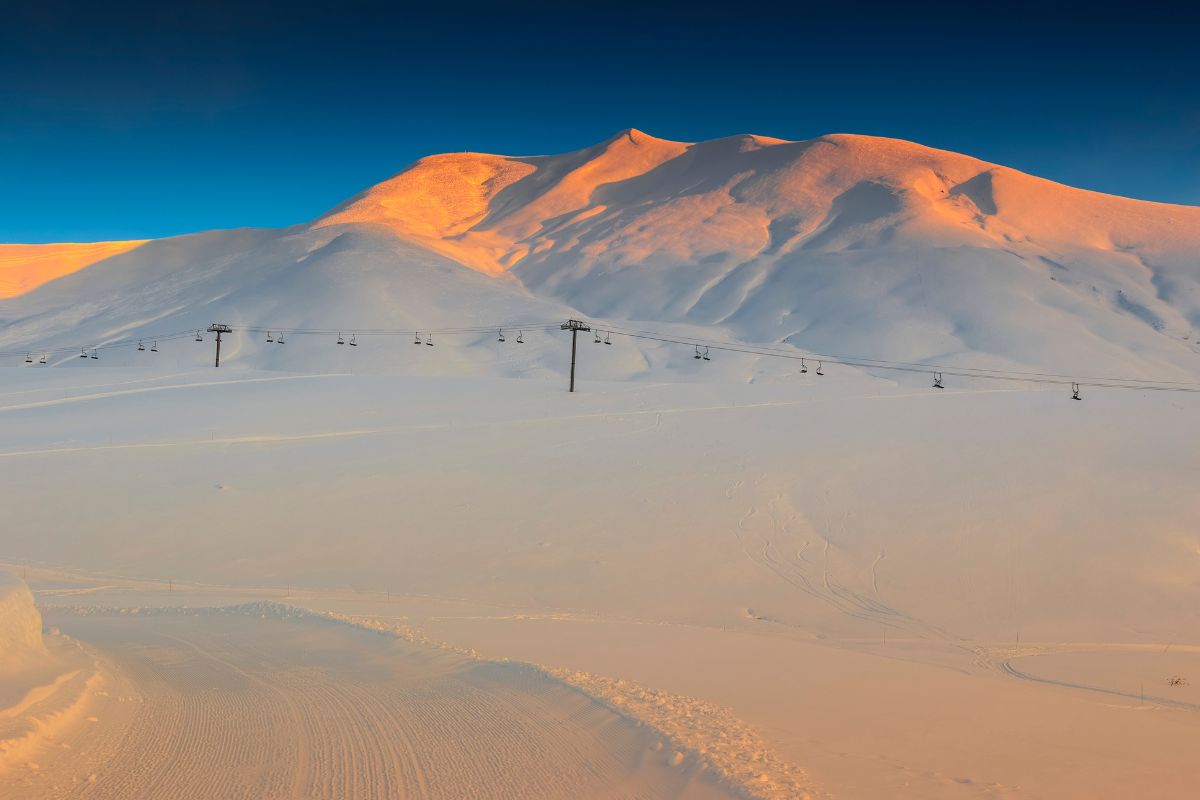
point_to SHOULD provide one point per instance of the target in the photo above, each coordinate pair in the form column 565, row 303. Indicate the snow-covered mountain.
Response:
column 843, row 244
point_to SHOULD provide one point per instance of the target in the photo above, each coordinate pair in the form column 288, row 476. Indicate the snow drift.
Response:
column 21, row 646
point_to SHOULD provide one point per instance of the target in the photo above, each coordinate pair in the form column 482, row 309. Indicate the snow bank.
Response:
column 41, row 695
column 21, row 646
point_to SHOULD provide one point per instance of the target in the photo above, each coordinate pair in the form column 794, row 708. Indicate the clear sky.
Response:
column 133, row 120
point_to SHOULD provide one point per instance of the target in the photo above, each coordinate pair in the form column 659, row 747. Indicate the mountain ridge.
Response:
column 841, row 244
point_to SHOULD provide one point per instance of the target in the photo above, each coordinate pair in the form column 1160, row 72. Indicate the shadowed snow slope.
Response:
column 846, row 244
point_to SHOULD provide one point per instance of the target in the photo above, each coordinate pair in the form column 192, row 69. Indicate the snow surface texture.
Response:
column 850, row 245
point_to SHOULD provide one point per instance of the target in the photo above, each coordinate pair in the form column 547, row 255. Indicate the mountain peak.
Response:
column 636, row 137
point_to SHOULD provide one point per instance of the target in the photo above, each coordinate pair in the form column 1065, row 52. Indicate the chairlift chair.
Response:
column 803, row 367
column 697, row 355
column 521, row 337
column 705, row 355
column 417, row 338
column 607, row 338
column 340, row 339
column 83, row 353
column 28, row 358
column 500, row 337
column 819, row 365
column 937, row 381
column 95, row 354
column 141, row 346
column 1075, row 392
column 42, row 360
column 270, row 338
column 353, row 341
column 597, row 339
column 429, row 339
column 279, row 339
column 154, row 347
column 199, row 338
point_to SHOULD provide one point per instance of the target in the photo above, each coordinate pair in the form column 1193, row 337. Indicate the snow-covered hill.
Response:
column 844, row 244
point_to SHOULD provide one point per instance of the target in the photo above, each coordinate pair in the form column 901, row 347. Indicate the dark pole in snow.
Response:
column 574, row 326
column 574, row 336
column 218, row 329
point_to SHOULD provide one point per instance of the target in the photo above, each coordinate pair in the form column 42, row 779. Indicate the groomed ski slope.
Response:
column 252, row 702
column 836, row 563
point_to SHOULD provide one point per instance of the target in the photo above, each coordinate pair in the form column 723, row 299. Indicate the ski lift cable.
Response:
column 191, row 332
column 109, row 345
column 609, row 329
column 480, row 329
column 767, row 349
column 998, row 375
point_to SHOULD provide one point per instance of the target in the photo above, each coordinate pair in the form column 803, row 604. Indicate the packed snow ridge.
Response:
column 21, row 645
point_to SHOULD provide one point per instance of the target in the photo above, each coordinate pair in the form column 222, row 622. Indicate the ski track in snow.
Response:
column 875, row 573
column 777, row 548
column 287, row 715
column 657, row 413
column 83, row 398
column 1006, row 667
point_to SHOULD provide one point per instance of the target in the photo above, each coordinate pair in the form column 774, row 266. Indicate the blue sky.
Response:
column 147, row 119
